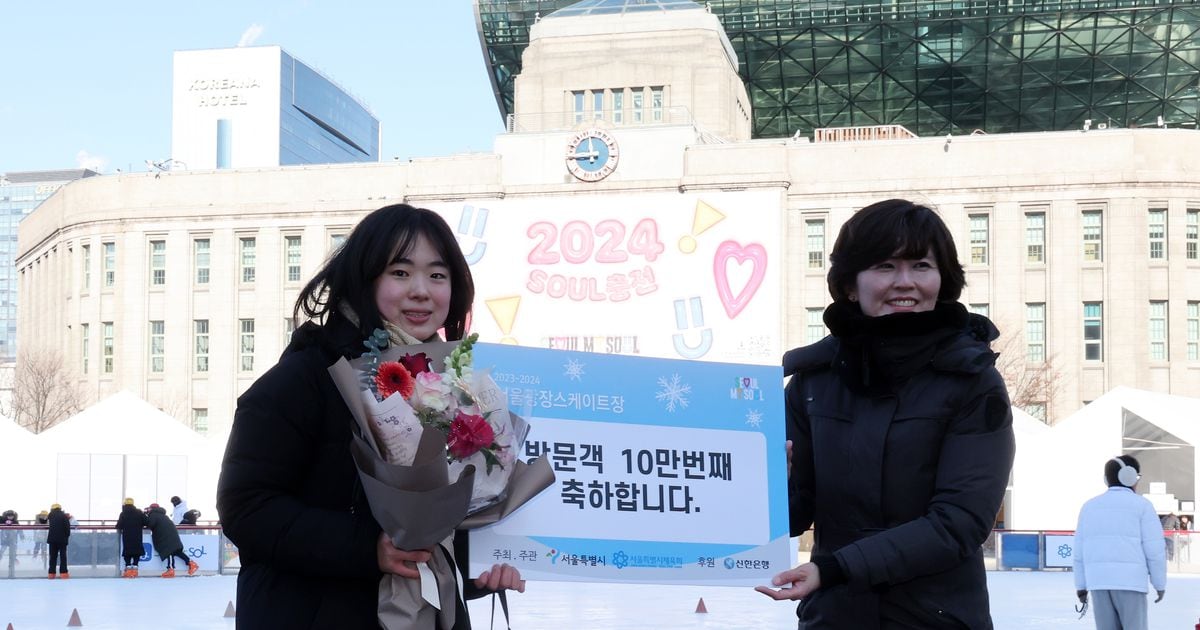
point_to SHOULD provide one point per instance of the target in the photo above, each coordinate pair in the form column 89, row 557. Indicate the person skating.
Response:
column 181, row 508
column 58, row 536
column 129, row 525
column 166, row 540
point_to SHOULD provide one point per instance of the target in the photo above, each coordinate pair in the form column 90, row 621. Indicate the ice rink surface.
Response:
column 1020, row 600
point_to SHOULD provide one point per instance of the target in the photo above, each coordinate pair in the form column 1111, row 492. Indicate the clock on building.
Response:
column 592, row 155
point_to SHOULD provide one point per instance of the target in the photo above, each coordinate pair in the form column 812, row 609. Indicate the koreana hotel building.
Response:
column 641, row 205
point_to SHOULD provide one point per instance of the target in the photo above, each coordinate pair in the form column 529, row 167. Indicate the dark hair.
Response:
column 379, row 240
column 175, row 500
column 893, row 228
column 1112, row 468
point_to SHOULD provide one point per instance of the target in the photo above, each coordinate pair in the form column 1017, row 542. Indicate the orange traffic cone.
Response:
column 229, row 612
column 700, row 607
column 74, row 622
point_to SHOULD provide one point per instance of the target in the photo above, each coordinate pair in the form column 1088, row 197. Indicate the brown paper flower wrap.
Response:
column 418, row 496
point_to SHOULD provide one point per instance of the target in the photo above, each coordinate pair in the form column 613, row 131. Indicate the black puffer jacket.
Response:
column 163, row 533
column 289, row 496
column 58, row 526
column 130, row 524
column 903, row 443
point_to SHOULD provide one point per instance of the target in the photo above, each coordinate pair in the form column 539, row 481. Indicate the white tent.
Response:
column 19, row 454
column 122, row 446
column 1063, row 467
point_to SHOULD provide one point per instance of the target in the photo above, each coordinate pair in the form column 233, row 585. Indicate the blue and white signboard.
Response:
column 201, row 548
column 666, row 471
column 1060, row 551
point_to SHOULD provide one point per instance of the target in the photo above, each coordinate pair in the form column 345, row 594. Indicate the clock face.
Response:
column 592, row 155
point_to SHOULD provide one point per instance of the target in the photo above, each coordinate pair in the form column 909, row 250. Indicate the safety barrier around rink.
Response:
column 1015, row 550
column 95, row 551
column 1032, row 550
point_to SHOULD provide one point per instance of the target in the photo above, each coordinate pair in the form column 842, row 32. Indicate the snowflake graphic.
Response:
column 673, row 392
column 1064, row 551
column 620, row 560
column 754, row 418
column 573, row 370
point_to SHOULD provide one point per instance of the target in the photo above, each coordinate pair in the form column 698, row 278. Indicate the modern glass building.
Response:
column 260, row 106
column 20, row 193
column 933, row 66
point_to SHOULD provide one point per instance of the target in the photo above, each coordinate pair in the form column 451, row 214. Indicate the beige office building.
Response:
column 627, row 210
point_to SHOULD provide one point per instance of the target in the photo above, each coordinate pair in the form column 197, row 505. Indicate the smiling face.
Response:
column 414, row 291
column 898, row 285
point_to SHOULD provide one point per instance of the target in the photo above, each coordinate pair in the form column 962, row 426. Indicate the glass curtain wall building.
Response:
column 935, row 67
column 20, row 193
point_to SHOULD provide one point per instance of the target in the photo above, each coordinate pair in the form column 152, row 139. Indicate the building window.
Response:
column 979, row 239
column 85, row 338
column 201, row 249
column 1193, row 234
column 110, row 264
column 618, row 106
column 656, row 103
column 1035, row 332
column 158, row 263
column 200, row 328
column 1158, row 233
column 1093, row 232
column 598, row 105
column 815, row 326
column 1037, row 410
column 1035, row 237
column 1093, row 331
column 336, row 241
column 980, row 308
column 247, row 344
column 289, row 327
column 638, row 99
column 108, row 346
column 1158, row 330
column 292, row 249
column 158, row 335
column 200, row 421
column 86, row 252
column 248, row 247
column 1193, row 331
column 815, row 231
column 577, row 99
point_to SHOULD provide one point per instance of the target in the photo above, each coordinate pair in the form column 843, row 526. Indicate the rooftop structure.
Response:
column 935, row 67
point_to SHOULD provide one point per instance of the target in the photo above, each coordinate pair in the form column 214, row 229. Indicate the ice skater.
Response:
column 166, row 541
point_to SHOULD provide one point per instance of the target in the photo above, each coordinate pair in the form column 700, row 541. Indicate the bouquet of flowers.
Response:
column 436, row 451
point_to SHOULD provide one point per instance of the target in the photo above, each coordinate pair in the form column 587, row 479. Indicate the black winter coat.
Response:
column 289, row 496
column 58, row 528
column 903, row 443
column 163, row 533
column 130, row 524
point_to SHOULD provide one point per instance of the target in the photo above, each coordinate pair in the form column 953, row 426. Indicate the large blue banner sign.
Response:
column 667, row 471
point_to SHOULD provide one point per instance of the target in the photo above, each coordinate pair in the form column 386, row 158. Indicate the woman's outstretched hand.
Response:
column 399, row 561
column 794, row 584
column 501, row 577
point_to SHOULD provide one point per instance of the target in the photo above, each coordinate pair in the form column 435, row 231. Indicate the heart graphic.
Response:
column 757, row 256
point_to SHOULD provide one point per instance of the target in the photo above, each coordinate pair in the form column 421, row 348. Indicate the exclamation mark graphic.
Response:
column 704, row 217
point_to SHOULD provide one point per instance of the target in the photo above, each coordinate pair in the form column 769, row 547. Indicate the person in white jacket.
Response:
column 181, row 508
column 1118, row 545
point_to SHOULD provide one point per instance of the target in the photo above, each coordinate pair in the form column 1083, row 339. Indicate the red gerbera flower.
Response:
column 394, row 378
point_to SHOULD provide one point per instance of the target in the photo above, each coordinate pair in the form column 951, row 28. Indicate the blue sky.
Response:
column 89, row 84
